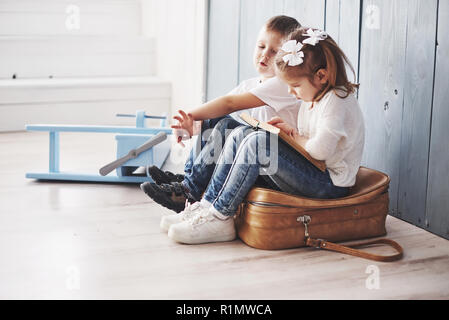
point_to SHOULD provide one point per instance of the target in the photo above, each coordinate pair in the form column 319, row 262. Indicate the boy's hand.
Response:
column 281, row 124
column 183, row 130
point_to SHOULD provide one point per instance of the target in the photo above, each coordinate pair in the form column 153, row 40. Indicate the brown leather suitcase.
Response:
column 269, row 219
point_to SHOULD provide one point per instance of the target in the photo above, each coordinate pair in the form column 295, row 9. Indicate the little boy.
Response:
column 173, row 191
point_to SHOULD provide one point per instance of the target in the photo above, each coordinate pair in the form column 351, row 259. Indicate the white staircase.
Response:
column 78, row 61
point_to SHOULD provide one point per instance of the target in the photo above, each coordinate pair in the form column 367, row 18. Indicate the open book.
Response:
column 268, row 127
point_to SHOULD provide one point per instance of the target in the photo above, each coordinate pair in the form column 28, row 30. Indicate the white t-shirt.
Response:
column 335, row 127
column 289, row 112
column 275, row 93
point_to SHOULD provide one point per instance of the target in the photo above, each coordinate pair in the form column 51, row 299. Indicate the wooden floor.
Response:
column 101, row 241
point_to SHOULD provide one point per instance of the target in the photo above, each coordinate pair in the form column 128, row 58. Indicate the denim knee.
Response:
column 255, row 143
column 226, row 124
column 239, row 134
column 219, row 131
column 233, row 141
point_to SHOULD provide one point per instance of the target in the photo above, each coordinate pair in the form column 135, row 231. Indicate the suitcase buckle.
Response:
column 305, row 220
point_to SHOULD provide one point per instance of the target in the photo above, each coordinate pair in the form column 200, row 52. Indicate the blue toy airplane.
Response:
column 137, row 146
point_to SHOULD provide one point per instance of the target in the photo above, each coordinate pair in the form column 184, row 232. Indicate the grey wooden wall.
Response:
column 400, row 50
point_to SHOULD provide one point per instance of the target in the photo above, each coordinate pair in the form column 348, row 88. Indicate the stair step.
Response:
column 63, row 17
column 76, row 56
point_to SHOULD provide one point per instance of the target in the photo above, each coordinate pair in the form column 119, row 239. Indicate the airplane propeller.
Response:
column 134, row 153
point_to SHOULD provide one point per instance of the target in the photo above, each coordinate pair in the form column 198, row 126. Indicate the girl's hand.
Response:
column 281, row 124
column 183, row 130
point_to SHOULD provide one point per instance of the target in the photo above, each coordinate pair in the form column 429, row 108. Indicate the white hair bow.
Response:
column 314, row 36
column 295, row 56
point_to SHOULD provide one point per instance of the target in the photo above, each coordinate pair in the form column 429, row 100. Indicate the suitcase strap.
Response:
column 323, row 244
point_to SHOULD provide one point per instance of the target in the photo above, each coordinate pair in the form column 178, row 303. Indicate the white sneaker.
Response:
column 190, row 211
column 203, row 228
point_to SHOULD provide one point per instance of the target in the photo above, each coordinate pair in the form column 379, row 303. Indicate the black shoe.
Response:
column 172, row 196
column 161, row 177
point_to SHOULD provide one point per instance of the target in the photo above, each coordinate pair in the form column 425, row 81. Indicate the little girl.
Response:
column 330, row 127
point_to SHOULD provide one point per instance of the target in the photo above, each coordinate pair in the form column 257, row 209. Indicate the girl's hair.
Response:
column 324, row 55
column 282, row 24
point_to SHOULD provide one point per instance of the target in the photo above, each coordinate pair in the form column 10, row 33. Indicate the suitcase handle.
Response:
column 323, row 244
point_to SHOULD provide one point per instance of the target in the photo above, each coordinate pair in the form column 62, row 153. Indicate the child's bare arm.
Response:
column 225, row 105
column 219, row 107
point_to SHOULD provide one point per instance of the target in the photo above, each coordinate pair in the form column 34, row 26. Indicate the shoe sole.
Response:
column 165, row 226
column 163, row 201
column 222, row 238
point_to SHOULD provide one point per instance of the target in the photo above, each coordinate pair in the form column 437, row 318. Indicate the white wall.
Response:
column 179, row 29
column 146, row 40
column 77, row 62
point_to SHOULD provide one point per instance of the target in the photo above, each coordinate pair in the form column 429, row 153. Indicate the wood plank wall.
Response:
column 438, row 183
column 382, row 68
column 392, row 46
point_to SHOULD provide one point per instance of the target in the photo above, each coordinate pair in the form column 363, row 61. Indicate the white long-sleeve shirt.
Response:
column 336, row 133
column 334, row 126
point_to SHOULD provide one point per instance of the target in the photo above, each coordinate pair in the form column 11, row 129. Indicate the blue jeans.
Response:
column 293, row 174
column 204, row 155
